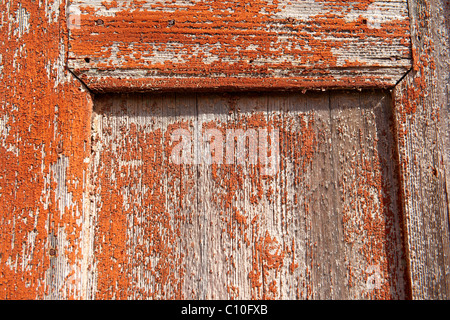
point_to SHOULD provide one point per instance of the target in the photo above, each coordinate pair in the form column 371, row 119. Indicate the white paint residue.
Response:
column 380, row 12
column 52, row 11
column 161, row 56
column 58, row 66
column 130, row 163
column 63, row 197
column 300, row 10
column 113, row 56
column 109, row 8
column 29, row 246
column 4, row 132
column 3, row 128
column 377, row 12
column 22, row 19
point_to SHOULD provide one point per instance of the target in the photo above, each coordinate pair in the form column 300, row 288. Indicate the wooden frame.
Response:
column 237, row 45
column 45, row 147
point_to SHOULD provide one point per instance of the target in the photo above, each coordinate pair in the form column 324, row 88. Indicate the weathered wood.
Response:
column 149, row 45
column 123, row 221
column 44, row 142
column 321, row 226
column 422, row 113
column 367, row 192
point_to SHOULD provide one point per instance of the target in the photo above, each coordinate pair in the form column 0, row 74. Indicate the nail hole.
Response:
column 171, row 23
column 364, row 21
column 99, row 22
column 290, row 20
column 87, row 60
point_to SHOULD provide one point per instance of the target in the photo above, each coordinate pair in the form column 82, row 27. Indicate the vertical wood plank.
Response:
column 181, row 113
column 366, row 196
column 326, row 231
column 44, row 154
column 421, row 116
column 229, row 230
column 212, row 117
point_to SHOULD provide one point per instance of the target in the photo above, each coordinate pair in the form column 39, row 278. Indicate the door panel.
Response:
column 306, row 207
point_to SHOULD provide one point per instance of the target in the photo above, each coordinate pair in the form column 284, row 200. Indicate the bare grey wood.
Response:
column 422, row 113
column 367, row 189
column 323, row 226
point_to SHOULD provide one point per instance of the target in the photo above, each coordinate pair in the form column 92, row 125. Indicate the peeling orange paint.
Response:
column 44, row 141
column 156, row 204
column 236, row 44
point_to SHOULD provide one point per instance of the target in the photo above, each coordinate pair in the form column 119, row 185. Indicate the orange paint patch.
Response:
column 44, row 140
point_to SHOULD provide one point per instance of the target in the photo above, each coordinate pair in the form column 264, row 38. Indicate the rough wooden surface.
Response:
column 422, row 118
column 319, row 228
column 44, row 141
column 50, row 244
column 204, row 44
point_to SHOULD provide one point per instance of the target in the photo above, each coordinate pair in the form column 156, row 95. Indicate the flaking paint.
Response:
column 152, row 45
column 45, row 137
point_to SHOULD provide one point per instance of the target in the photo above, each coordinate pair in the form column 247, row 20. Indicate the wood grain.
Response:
column 422, row 120
column 164, row 45
column 122, row 221
column 44, row 143
column 318, row 228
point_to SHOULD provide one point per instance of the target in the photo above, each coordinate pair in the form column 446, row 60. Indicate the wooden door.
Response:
column 251, row 195
column 349, row 100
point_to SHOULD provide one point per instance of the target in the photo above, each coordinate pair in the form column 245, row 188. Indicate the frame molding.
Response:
column 214, row 45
